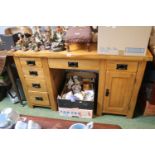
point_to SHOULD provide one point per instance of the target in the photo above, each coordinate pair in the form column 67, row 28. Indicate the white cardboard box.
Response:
column 127, row 40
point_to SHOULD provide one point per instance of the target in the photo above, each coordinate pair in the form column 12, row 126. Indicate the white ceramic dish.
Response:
column 82, row 126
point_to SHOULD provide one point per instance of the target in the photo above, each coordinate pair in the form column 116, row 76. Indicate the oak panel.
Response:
column 31, row 62
column 39, row 98
column 122, row 66
column 36, row 84
column 74, row 64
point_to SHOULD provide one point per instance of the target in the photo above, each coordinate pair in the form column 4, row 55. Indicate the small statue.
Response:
column 38, row 38
column 70, row 83
column 75, row 78
column 58, row 42
column 94, row 33
column 33, row 45
column 26, row 42
column 37, row 34
column 76, row 88
column 20, row 42
column 47, row 38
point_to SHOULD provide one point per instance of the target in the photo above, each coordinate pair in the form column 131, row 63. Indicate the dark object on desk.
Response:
column 16, row 36
column 78, row 34
column 6, row 42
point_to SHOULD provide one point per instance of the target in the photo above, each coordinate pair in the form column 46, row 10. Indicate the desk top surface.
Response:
column 80, row 53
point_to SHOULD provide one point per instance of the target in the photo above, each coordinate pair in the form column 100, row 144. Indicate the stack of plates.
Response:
column 5, row 123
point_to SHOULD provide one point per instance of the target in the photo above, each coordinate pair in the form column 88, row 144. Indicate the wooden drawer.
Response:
column 31, row 62
column 36, row 84
column 33, row 72
column 122, row 66
column 74, row 64
column 39, row 98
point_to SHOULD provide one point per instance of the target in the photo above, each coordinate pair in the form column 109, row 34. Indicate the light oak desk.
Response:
column 119, row 80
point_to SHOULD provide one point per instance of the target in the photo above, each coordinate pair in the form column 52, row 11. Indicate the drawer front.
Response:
column 74, row 64
column 33, row 72
column 122, row 66
column 31, row 62
column 36, row 84
column 39, row 98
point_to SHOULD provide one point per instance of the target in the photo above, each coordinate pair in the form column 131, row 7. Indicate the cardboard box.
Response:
column 77, row 108
column 125, row 40
column 75, row 112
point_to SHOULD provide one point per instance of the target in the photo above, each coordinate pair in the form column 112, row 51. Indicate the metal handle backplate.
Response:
column 38, row 98
column 31, row 62
column 36, row 85
column 33, row 73
column 122, row 66
column 72, row 64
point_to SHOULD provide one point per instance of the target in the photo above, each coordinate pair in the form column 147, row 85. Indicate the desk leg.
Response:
column 49, row 78
column 101, row 85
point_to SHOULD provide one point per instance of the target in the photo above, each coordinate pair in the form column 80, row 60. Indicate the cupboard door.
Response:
column 118, row 92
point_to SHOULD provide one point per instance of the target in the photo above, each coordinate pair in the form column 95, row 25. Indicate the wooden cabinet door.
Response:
column 118, row 92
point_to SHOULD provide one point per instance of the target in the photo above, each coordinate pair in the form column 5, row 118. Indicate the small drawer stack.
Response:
column 35, row 81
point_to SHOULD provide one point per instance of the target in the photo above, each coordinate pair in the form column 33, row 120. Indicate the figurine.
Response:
column 42, row 38
column 20, row 42
column 37, row 34
column 94, row 33
column 26, row 42
column 76, row 81
column 58, row 42
column 38, row 39
column 33, row 45
column 70, row 83
column 46, row 38
column 76, row 88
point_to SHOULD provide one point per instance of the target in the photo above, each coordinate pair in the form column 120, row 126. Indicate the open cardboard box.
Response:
column 78, row 108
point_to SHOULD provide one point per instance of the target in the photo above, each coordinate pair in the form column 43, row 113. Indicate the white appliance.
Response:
column 126, row 40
